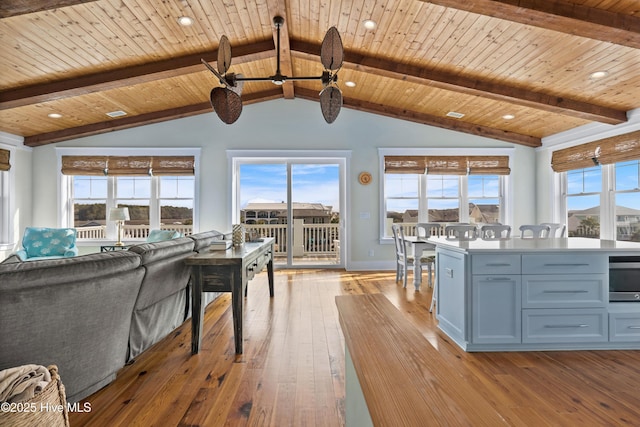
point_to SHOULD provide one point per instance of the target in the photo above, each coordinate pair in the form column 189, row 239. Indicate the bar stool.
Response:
column 554, row 227
column 461, row 232
column 495, row 232
column 537, row 231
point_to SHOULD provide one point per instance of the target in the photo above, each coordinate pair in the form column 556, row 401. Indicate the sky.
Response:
column 311, row 183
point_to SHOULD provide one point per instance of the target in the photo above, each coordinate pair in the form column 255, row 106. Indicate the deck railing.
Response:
column 309, row 239
column 130, row 232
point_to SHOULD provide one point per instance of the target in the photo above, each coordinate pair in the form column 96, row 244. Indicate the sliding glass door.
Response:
column 299, row 202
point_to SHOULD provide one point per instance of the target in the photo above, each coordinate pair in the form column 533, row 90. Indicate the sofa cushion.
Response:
column 162, row 235
column 43, row 241
column 166, row 272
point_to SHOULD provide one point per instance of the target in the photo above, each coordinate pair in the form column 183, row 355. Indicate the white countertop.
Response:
column 543, row 245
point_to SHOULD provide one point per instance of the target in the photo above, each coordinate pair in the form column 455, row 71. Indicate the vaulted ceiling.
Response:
column 485, row 59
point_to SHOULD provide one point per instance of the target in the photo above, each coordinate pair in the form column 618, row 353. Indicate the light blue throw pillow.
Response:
column 44, row 242
column 160, row 235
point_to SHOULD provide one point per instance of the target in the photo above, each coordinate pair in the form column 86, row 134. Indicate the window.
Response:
column 443, row 186
column 176, row 200
column 159, row 191
column 584, row 187
column 89, row 203
column 600, row 183
column 627, row 200
column 172, row 208
column 443, row 198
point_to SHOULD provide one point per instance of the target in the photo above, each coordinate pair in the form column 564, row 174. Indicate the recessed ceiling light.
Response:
column 118, row 113
column 455, row 115
column 185, row 21
column 508, row 117
column 350, row 83
column 599, row 74
column 369, row 24
column 55, row 115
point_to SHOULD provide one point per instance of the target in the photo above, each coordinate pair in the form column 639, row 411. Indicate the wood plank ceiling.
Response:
column 485, row 59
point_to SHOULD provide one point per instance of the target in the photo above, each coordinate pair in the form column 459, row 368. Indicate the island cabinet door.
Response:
column 496, row 309
column 450, row 307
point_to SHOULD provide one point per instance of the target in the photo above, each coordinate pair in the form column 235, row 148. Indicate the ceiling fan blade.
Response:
column 226, row 103
column 213, row 70
column 224, row 55
column 332, row 52
column 330, row 103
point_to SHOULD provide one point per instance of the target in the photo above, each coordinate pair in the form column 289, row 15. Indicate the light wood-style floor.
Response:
column 292, row 371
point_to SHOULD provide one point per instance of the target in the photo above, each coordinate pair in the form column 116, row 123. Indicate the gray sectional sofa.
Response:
column 91, row 314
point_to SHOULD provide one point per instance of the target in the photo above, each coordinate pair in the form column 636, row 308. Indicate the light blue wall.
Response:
column 288, row 125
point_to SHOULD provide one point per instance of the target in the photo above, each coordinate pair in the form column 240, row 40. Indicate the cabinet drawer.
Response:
column 564, row 291
column 564, row 326
column 564, row 264
column 624, row 327
column 495, row 264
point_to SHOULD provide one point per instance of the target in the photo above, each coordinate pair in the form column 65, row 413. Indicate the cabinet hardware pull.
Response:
column 570, row 291
column 499, row 265
column 495, row 279
column 566, row 326
column 565, row 265
column 634, row 327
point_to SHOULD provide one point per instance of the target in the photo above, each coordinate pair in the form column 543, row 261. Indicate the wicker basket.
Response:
column 47, row 408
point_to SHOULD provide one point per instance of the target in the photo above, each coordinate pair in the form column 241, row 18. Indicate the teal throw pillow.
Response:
column 160, row 235
column 43, row 242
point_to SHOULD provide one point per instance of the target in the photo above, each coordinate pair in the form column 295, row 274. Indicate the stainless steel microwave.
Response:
column 624, row 278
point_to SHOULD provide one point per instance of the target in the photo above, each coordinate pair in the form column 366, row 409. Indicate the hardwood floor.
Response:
column 292, row 371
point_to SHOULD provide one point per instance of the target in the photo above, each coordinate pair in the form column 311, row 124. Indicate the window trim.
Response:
column 8, row 236
column 65, row 216
column 506, row 190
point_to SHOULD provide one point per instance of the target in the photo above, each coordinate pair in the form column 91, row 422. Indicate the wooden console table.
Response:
column 227, row 271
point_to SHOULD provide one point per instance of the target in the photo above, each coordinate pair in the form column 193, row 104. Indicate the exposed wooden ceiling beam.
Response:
column 458, row 83
column 279, row 8
column 20, row 7
column 140, row 120
column 441, row 122
column 558, row 15
column 129, row 76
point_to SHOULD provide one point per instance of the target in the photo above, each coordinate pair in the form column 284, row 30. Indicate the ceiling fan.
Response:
column 226, row 101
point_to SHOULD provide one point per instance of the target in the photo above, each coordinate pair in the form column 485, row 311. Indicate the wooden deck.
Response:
column 292, row 369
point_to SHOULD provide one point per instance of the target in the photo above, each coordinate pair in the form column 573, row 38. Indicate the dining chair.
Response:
column 495, row 232
column 430, row 229
column 536, row 231
column 405, row 260
column 556, row 229
column 461, row 232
